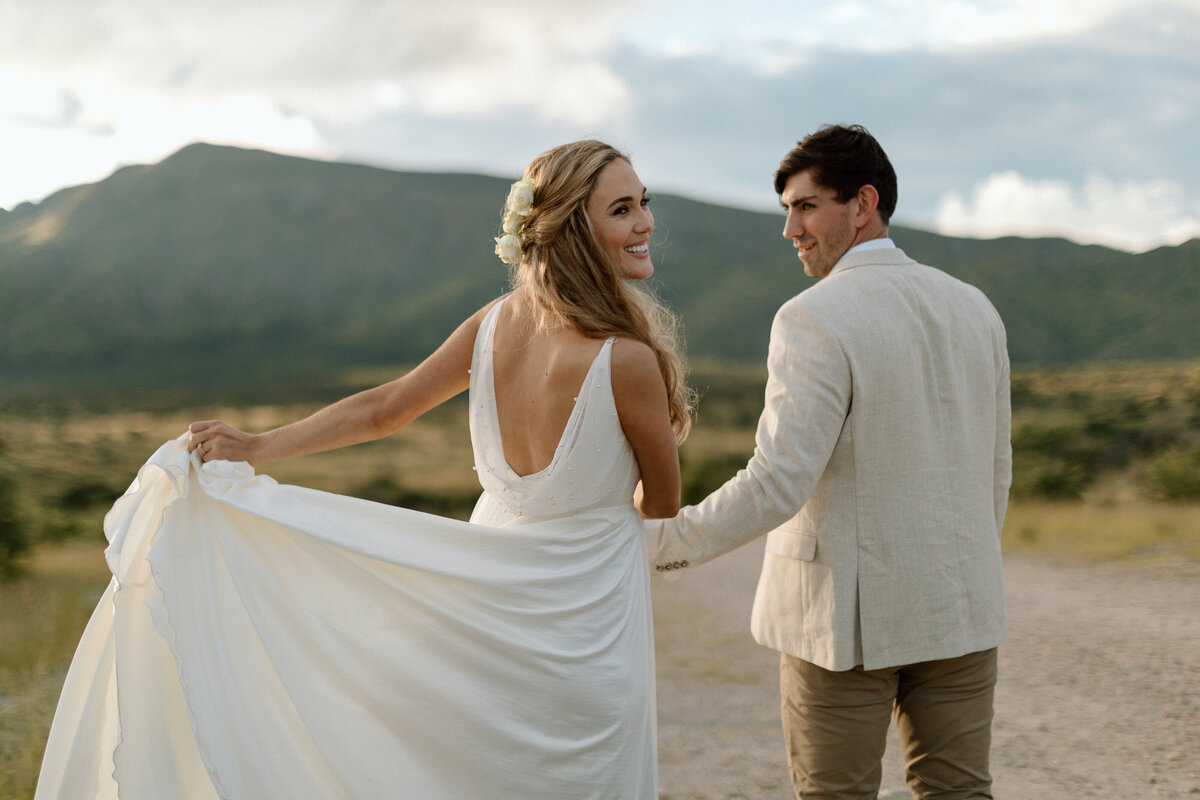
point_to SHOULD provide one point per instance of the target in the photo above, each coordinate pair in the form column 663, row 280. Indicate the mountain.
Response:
column 233, row 260
column 232, row 265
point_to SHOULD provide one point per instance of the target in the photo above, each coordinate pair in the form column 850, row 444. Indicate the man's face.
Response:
column 821, row 228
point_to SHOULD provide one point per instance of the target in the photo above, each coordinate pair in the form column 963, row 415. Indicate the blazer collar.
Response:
column 888, row 256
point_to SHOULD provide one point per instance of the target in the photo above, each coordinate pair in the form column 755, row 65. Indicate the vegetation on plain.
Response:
column 1086, row 436
column 1106, row 467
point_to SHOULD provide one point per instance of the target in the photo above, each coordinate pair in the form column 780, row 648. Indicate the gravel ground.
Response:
column 1099, row 692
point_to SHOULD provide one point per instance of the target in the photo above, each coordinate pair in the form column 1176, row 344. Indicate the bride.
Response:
column 268, row 641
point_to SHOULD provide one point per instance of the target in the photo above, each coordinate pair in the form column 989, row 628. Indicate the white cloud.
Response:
column 1125, row 214
column 87, row 87
column 775, row 37
column 68, row 135
column 584, row 93
column 705, row 93
column 327, row 56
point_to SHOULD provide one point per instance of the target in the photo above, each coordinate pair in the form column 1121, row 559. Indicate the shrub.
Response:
column 1047, row 478
column 1174, row 475
column 88, row 494
column 14, row 530
column 385, row 489
column 702, row 476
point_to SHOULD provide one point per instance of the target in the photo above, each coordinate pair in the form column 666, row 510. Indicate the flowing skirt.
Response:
column 268, row 641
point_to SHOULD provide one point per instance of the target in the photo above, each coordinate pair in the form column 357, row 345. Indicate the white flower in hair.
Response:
column 509, row 248
column 520, row 197
column 516, row 208
column 513, row 222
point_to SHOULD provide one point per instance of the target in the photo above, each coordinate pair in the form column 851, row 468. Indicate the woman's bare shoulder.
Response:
column 634, row 361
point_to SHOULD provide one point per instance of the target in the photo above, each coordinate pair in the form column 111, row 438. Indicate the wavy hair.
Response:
column 575, row 284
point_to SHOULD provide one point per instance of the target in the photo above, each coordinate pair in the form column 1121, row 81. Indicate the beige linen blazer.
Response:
column 880, row 473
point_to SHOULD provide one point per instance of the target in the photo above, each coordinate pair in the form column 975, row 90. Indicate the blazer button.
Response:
column 683, row 563
column 659, row 567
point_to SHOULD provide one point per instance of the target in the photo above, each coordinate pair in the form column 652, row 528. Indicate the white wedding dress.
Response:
column 264, row 641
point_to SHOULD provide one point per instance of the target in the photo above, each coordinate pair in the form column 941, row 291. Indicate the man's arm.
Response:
column 807, row 400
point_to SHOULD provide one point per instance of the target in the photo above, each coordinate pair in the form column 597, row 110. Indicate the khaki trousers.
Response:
column 836, row 723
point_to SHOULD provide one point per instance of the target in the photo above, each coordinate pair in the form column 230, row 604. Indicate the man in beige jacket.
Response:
column 881, row 475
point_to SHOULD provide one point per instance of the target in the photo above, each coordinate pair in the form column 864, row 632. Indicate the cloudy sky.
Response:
column 1032, row 117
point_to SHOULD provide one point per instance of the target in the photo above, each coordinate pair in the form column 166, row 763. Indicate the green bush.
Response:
column 14, row 529
column 88, row 494
column 1047, row 478
column 385, row 489
column 1174, row 475
column 1044, row 437
column 57, row 524
column 700, row 477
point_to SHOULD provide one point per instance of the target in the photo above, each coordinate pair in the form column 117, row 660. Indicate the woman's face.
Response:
column 620, row 214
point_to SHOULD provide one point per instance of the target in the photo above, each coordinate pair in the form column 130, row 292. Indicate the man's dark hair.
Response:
column 843, row 158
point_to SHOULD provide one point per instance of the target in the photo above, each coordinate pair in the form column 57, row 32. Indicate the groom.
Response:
column 881, row 477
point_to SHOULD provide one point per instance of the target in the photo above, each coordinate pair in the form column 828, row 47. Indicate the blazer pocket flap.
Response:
column 800, row 546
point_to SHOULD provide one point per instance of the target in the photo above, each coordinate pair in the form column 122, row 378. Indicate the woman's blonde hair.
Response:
column 572, row 279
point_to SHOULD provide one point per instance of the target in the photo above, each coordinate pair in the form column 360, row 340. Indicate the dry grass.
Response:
column 1174, row 381
column 45, row 611
column 1130, row 531
column 433, row 452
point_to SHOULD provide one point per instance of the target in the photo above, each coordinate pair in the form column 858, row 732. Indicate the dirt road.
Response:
column 1099, row 693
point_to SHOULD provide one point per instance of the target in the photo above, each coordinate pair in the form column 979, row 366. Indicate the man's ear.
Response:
column 868, row 203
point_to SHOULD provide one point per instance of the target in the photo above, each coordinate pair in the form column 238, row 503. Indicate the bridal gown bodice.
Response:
column 593, row 471
column 266, row 641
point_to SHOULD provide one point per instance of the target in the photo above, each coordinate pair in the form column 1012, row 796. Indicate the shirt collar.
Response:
column 864, row 247
column 871, row 244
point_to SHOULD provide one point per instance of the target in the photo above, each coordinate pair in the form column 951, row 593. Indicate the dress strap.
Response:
column 488, row 326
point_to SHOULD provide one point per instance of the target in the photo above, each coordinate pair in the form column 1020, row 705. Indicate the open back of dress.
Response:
column 268, row 641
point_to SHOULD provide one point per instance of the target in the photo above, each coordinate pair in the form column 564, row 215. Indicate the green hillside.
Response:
column 236, row 266
column 236, row 261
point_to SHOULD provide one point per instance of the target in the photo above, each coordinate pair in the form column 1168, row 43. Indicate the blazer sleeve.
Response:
column 807, row 399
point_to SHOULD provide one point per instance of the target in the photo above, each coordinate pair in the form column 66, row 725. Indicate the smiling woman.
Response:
column 260, row 640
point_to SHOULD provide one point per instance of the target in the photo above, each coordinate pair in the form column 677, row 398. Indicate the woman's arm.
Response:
column 362, row 417
column 641, row 398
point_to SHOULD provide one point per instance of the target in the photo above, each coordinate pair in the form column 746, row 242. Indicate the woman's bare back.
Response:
column 538, row 376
